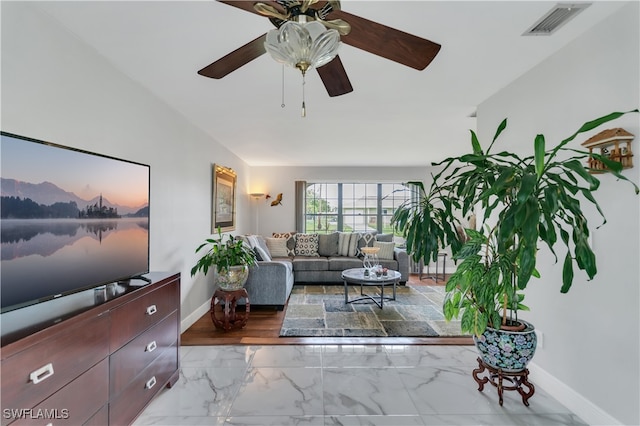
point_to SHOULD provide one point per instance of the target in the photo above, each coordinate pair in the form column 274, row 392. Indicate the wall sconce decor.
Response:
column 614, row 144
column 277, row 201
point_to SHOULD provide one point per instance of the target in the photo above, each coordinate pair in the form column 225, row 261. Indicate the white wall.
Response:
column 590, row 335
column 57, row 89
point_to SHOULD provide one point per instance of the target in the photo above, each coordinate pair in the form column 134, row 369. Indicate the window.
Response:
column 352, row 207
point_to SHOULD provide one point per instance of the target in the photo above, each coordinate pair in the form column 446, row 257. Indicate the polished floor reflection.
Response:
column 341, row 385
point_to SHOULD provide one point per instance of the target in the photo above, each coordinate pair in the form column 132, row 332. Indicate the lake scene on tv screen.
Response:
column 70, row 220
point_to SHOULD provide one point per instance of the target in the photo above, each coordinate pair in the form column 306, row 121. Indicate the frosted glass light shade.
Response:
column 303, row 45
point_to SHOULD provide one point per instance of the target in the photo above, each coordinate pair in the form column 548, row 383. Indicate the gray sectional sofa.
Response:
column 312, row 260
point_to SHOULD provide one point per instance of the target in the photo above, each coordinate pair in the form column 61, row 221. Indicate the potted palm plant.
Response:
column 232, row 259
column 519, row 202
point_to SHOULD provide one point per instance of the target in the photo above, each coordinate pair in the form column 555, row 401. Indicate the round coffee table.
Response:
column 356, row 276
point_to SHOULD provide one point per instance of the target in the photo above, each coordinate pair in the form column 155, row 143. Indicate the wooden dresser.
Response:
column 100, row 365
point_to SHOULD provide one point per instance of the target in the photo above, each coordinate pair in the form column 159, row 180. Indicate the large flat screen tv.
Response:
column 70, row 220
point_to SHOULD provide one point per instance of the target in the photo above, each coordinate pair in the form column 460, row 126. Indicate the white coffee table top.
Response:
column 356, row 276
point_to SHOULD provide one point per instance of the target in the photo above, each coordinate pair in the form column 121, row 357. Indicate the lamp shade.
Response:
column 303, row 45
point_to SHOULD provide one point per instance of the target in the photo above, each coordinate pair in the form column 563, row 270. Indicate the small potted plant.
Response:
column 519, row 203
column 232, row 259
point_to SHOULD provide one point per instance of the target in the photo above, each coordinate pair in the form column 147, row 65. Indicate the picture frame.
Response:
column 223, row 211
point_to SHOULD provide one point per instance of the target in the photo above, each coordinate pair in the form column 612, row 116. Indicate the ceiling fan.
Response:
column 372, row 37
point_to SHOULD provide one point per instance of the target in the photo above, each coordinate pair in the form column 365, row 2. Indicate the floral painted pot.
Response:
column 234, row 278
column 509, row 351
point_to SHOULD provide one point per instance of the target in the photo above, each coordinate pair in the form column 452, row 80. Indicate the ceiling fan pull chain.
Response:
column 282, row 104
column 304, row 108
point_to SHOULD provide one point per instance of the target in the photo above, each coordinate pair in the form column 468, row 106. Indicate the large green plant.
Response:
column 223, row 254
column 521, row 201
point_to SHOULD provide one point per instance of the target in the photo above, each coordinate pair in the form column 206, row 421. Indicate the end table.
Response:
column 228, row 301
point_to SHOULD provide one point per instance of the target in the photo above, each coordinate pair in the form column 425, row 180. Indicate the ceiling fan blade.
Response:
column 235, row 59
column 335, row 78
column 392, row 44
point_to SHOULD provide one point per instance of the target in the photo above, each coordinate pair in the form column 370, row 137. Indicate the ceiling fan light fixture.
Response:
column 303, row 45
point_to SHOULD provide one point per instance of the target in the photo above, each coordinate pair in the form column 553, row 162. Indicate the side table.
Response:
column 441, row 255
column 228, row 301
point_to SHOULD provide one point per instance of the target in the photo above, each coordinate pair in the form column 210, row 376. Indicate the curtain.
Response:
column 300, row 195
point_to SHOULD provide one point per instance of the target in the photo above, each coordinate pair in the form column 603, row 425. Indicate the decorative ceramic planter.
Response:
column 234, row 278
column 509, row 351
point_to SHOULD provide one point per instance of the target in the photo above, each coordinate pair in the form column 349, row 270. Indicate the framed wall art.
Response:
column 224, row 199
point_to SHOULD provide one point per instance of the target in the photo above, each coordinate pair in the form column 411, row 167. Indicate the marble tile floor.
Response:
column 393, row 385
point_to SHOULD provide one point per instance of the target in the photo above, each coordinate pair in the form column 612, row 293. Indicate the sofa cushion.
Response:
column 306, row 245
column 277, row 247
column 328, row 244
column 340, row 263
column 305, row 263
column 291, row 241
column 386, row 249
column 365, row 239
column 347, row 243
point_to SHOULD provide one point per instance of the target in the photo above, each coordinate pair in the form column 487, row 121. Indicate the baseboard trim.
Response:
column 195, row 316
column 578, row 404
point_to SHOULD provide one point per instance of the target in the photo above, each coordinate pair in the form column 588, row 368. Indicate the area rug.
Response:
column 320, row 310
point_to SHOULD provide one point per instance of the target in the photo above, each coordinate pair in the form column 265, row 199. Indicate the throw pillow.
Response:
column 365, row 239
column 252, row 240
column 386, row 249
column 387, row 238
column 261, row 254
column 307, row 245
column 328, row 244
column 260, row 242
column 277, row 247
column 291, row 241
column 347, row 243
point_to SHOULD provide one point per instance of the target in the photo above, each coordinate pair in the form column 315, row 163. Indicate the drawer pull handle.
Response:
column 152, row 310
column 41, row 373
column 151, row 346
column 151, row 383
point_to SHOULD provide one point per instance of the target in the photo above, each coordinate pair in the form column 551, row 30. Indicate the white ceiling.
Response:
column 396, row 116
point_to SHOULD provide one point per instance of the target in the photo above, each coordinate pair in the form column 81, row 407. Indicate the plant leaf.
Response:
column 539, row 149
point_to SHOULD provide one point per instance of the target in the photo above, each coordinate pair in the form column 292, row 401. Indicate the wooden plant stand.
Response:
column 497, row 377
column 228, row 301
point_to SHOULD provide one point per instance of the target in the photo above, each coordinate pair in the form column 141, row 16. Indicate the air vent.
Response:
column 555, row 18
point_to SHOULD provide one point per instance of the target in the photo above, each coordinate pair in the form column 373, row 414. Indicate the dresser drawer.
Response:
column 32, row 375
column 136, row 355
column 101, row 418
column 75, row 403
column 132, row 318
column 125, row 407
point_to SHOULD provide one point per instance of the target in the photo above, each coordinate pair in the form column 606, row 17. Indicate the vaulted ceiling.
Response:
column 396, row 116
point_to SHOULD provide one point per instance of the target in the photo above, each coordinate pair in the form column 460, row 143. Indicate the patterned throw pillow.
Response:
column 261, row 254
column 277, row 247
column 386, row 249
column 365, row 239
column 307, row 245
column 291, row 241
